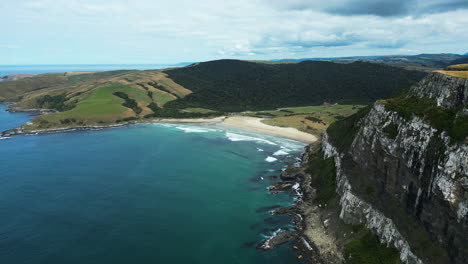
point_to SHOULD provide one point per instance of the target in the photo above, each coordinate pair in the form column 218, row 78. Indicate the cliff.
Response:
column 402, row 170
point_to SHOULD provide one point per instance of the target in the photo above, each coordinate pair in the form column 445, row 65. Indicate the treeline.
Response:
column 170, row 112
column 56, row 102
column 129, row 102
column 232, row 85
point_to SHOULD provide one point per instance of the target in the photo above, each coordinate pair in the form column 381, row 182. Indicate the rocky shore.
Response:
column 18, row 131
column 310, row 237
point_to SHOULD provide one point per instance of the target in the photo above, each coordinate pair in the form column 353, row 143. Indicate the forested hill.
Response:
column 233, row 85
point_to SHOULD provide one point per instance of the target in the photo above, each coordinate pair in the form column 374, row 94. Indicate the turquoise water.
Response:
column 144, row 193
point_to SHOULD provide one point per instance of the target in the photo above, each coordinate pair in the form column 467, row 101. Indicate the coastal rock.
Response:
column 409, row 188
column 449, row 91
column 290, row 210
column 356, row 211
column 281, row 186
column 279, row 237
column 290, row 174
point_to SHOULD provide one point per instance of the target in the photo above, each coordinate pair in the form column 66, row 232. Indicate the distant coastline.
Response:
column 249, row 124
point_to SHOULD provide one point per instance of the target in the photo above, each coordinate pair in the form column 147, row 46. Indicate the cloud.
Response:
column 148, row 31
column 384, row 8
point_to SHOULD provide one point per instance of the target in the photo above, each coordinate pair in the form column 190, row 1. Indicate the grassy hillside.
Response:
column 207, row 89
column 99, row 98
column 458, row 67
column 457, row 70
column 311, row 119
column 231, row 85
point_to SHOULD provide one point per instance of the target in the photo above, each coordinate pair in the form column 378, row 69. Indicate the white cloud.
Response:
column 183, row 30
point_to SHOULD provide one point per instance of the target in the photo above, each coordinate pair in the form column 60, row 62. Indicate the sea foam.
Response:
column 239, row 137
column 194, row 129
column 271, row 159
column 280, row 152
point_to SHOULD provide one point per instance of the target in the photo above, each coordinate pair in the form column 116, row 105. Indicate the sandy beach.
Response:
column 252, row 124
column 193, row 120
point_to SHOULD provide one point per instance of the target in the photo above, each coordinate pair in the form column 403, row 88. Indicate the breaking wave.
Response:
column 194, row 129
column 239, row 137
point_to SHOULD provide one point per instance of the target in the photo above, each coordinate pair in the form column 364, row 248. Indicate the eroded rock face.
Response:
column 355, row 210
column 410, row 188
column 449, row 91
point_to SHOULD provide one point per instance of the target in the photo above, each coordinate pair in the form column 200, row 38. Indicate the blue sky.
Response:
column 157, row 32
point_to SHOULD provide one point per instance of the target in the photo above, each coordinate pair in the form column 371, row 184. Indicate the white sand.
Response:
column 252, row 124
column 192, row 120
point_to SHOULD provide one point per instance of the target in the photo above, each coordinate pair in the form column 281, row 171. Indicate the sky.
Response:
column 173, row 31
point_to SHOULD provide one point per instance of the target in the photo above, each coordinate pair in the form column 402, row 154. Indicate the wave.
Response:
column 266, row 244
column 259, row 149
column 239, row 137
column 194, row 129
column 306, row 244
column 280, row 152
column 271, row 159
column 4, row 138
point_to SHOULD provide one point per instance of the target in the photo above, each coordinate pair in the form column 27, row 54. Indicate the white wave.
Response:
column 4, row 138
column 193, row 129
column 259, row 149
column 280, row 153
column 296, row 186
column 266, row 244
column 271, row 159
column 297, row 191
column 239, row 137
column 165, row 125
column 306, row 244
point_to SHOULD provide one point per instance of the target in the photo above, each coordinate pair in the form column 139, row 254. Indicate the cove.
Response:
column 146, row 193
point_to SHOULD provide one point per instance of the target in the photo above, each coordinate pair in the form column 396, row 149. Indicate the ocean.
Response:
column 38, row 69
column 144, row 193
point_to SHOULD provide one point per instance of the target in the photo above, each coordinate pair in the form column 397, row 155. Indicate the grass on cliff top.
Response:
column 458, row 73
column 368, row 250
column 453, row 120
column 309, row 119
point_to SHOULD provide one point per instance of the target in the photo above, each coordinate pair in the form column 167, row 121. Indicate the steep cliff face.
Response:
column 405, row 177
column 449, row 91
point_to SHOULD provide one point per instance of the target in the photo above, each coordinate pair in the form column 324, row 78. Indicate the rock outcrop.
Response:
column 409, row 186
column 449, row 91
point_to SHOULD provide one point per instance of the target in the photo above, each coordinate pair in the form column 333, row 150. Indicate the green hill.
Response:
column 232, row 85
column 199, row 90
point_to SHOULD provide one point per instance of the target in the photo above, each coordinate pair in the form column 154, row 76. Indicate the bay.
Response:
column 146, row 193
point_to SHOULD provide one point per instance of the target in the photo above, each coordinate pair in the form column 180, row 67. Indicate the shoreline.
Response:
column 299, row 239
column 254, row 124
column 246, row 123
column 297, row 184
